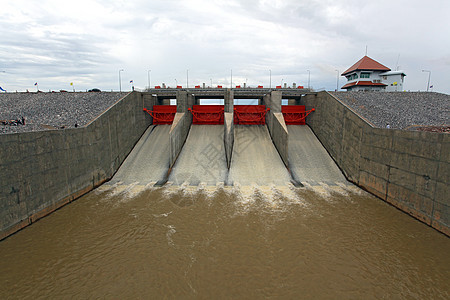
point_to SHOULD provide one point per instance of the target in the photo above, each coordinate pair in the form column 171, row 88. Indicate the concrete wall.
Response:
column 229, row 100
column 280, row 136
column 178, row 134
column 181, row 124
column 148, row 100
column 408, row 169
column 276, row 125
column 42, row 171
column 294, row 102
column 228, row 136
column 184, row 101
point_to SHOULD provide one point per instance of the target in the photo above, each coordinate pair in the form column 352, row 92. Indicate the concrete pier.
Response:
column 229, row 100
column 276, row 125
column 228, row 136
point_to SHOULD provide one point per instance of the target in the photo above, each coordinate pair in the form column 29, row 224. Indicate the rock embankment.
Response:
column 43, row 111
column 400, row 110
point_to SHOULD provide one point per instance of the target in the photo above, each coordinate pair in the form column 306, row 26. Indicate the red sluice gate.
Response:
column 250, row 114
column 162, row 114
column 207, row 114
column 295, row 114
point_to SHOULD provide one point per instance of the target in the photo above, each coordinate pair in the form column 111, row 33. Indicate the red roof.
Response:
column 367, row 64
column 363, row 83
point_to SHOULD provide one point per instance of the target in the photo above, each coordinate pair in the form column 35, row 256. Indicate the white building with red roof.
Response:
column 369, row 75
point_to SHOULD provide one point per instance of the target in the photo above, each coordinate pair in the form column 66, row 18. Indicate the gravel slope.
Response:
column 53, row 110
column 401, row 110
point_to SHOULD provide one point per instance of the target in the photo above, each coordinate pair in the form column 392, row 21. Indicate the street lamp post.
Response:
column 176, row 83
column 120, row 81
column 231, row 85
column 337, row 80
column 429, row 76
column 187, row 78
column 148, row 77
column 270, row 78
column 309, row 79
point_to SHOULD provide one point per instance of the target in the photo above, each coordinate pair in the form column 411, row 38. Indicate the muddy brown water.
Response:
column 214, row 242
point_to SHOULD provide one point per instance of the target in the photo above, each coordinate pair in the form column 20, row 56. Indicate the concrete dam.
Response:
column 142, row 141
column 234, row 146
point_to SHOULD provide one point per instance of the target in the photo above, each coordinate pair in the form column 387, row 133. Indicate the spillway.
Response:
column 255, row 159
column 149, row 159
column 309, row 162
column 202, row 160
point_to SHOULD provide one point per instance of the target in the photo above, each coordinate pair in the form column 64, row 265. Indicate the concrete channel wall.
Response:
column 178, row 134
column 228, row 136
column 408, row 169
column 276, row 125
column 42, row 171
column 280, row 136
column 181, row 125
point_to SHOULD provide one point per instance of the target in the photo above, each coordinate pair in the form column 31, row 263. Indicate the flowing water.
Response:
column 132, row 241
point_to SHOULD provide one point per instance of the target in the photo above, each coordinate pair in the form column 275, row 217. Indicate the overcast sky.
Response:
column 87, row 42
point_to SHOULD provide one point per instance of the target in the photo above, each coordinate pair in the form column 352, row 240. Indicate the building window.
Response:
column 384, row 77
column 365, row 75
column 351, row 77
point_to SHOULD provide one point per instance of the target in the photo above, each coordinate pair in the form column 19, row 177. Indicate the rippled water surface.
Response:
column 240, row 242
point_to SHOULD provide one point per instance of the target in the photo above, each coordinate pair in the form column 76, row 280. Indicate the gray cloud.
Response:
column 89, row 41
